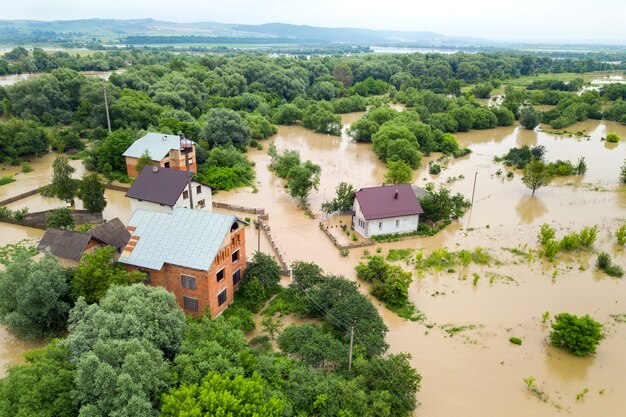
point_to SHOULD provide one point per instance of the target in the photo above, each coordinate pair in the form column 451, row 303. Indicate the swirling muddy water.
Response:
column 476, row 372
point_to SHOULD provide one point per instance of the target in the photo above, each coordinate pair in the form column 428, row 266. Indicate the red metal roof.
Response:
column 381, row 202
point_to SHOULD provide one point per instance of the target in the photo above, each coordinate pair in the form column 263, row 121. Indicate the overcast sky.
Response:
column 494, row 19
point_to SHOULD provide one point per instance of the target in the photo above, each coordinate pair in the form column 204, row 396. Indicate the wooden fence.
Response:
column 20, row 196
column 243, row 209
column 342, row 246
column 279, row 255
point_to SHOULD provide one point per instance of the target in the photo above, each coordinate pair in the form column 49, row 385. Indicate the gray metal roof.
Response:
column 183, row 237
column 64, row 243
column 158, row 146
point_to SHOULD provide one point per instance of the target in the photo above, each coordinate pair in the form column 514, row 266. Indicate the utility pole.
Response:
column 472, row 204
column 183, row 148
column 106, row 103
column 258, row 234
column 351, row 344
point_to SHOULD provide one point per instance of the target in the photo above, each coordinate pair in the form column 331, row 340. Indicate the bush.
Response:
column 550, row 249
column 604, row 263
column 570, row 242
column 6, row 179
column 26, row 167
column 60, row 219
column 588, row 236
column 579, row 335
column 434, row 169
column 612, row 137
column 620, row 235
column 546, row 233
column 515, row 340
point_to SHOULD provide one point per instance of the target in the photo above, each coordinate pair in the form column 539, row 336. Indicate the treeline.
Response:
column 226, row 40
column 232, row 101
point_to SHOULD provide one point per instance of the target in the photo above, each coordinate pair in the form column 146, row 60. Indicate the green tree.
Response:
column 529, row 118
column 110, row 151
column 137, row 311
column 41, row 387
column 144, row 160
column 135, row 110
column 63, row 186
column 307, row 343
column 121, row 377
column 443, row 205
column 536, row 175
column 303, row 179
column 272, row 326
column 33, row 296
column 398, row 172
column 264, row 269
column 622, row 173
column 343, row 200
column 288, row 114
column 226, row 168
column 60, row 219
column 219, row 395
column 97, row 271
column 91, row 192
column 225, row 127
column 579, row 335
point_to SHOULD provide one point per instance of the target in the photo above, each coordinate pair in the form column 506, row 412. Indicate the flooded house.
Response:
column 69, row 246
column 167, row 151
column 164, row 189
column 384, row 210
column 199, row 256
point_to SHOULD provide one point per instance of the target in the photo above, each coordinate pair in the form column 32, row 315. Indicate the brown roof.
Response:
column 112, row 233
column 381, row 202
column 64, row 243
column 158, row 185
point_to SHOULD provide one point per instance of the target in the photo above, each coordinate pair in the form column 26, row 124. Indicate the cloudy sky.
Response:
column 494, row 19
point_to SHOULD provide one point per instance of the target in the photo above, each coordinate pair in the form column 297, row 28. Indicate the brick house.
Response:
column 69, row 246
column 164, row 189
column 167, row 151
column 199, row 256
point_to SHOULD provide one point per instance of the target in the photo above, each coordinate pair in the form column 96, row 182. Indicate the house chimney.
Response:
column 396, row 195
column 155, row 169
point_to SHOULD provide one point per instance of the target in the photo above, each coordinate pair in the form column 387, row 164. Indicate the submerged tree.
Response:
column 302, row 179
column 343, row 201
column 63, row 186
column 91, row 192
column 399, row 172
column 529, row 118
column 579, row 335
column 536, row 175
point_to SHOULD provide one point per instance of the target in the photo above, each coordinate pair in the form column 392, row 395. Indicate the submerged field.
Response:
column 462, row 348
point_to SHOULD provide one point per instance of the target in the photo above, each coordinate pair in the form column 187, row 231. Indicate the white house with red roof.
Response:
column 389, row 209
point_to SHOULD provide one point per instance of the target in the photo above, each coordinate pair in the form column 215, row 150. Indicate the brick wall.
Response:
column 207, row 286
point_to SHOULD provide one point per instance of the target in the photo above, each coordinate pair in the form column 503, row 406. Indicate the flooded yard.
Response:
column 474, row 370
column 478, row 371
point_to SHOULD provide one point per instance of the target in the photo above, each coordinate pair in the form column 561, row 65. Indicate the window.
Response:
column 188, row 282
column 380, row 225
column 237, row 277
column 199, row 189
column 397, row 223
column 220, row 275
column 190, row 304
column 221, row 297
column 201, row 204
column 185, row 195
column 235, row 256
column 167, row 165
column 190, row 161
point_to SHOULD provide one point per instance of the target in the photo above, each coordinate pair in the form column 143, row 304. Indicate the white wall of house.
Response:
column 200, row 195
column 391, row 225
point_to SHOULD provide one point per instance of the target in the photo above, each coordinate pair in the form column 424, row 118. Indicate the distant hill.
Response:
column 115, row 31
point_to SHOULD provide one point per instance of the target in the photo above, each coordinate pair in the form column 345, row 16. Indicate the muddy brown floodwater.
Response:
column 477, row 371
